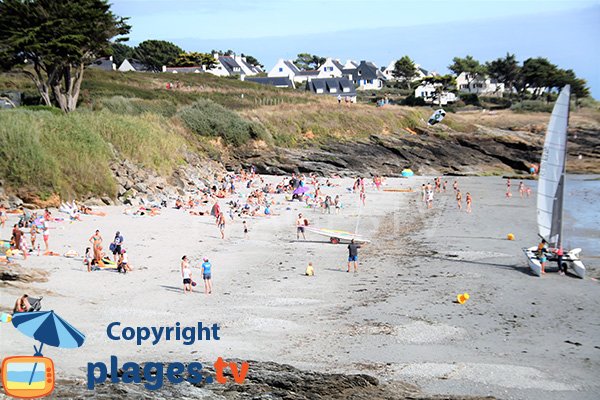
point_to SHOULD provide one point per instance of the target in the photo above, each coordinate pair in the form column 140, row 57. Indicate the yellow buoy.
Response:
column 510, row 236
column 462, row 298
column 4, row 317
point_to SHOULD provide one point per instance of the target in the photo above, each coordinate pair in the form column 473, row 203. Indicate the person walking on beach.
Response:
column 337, row 203
column 207, row 276
column 521, row 189
column 429, row 197
column 363, row 195
column 445, row 185
column 221, row 224
column 116, row 245
column 353, row 255
column 300, row 224
column 3, row 216
column 96, row 241
column 459, row 200
column 469, row 201
column 455, row 186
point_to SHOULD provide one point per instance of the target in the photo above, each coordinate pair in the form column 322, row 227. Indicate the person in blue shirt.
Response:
column 206, row 275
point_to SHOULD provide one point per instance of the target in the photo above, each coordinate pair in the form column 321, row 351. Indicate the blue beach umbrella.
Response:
column 48, row 328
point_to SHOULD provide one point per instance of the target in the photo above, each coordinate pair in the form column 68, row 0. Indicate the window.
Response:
column 280, row 69
column 370, row 81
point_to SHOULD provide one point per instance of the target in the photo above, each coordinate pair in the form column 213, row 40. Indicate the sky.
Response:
column 430, row 32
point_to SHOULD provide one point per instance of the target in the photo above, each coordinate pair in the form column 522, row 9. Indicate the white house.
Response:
column 331, row 68
column 366, row 76
column 305, row 76
column 283, row 68
column 350, row 65
column 388, row 72
column 103, row 63
column 479, row 84
column 133, row 65
column 184, row 70
column 429, row 93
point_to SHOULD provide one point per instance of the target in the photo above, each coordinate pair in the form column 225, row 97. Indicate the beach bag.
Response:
column 112, row 247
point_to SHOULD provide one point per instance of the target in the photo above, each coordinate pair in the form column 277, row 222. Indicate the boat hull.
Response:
column 571, row 258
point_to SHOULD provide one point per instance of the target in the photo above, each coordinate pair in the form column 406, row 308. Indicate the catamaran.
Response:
column 551, row 187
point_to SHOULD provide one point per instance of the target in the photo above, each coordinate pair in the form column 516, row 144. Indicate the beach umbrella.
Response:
column 301, row 190
column 48, row 328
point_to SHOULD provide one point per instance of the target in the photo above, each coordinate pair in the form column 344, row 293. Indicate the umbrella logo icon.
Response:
column 29, row 377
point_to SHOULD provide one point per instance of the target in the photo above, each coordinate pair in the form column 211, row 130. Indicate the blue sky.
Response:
column 431, row 32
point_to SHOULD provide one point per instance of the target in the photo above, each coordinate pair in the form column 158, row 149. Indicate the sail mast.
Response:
column 552, row 172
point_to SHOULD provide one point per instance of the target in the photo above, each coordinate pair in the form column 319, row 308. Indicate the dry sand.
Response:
column 517, row 337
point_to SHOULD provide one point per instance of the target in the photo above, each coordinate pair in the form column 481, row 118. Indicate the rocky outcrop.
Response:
column 428, row 152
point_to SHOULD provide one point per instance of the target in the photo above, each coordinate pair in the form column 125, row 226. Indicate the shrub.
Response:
column 532, row 105
column 414, row 101
column 207, row 118
column 470, row 99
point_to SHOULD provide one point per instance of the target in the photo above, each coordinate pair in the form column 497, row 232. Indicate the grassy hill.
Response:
column 134, row 116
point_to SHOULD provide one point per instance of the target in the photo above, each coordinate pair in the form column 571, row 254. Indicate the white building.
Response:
column 428, row 92
column 133, row 65
column 479, row 84
column 366, row 76
column 331, row 68
column 388, row 72
column 283, row 68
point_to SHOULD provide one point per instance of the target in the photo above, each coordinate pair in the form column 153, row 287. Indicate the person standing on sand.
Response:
column 221, row 224
column 245, row 225
column 363, row 195
column 117, row 245
column 338, row 204
column 455, row 186
column 469, row 201
column 353, row 255
column 459, row 200
column 46, row 235
column 96, row 241
column 445, row 185
column 2, row 216
column 300, row 224
column 207, row 276
column 186, row 274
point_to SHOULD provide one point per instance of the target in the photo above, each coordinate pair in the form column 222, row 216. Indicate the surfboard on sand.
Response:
column 337, row 236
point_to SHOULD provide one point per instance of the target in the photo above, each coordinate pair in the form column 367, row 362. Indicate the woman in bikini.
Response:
column 96, row 241
column 459, row 200
column 469, row 201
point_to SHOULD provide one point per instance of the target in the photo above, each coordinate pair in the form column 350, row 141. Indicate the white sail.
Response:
column 552, row 172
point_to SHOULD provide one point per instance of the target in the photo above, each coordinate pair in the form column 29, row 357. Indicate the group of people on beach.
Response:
column 428, row 190
column 96, row 258
column 187, row 275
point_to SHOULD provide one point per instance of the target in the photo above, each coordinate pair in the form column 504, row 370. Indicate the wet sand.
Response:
column 517, row 337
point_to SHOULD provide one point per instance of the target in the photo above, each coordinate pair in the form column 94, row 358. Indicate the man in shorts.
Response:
column 117, row 245
column 300, row 224
column 207, row 276
column 353, row 255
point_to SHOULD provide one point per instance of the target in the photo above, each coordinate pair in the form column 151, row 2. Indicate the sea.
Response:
column 582, row 216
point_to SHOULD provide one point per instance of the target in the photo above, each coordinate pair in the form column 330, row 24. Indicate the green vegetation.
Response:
column 70, row 154
column 206, row 118
column 58, row 39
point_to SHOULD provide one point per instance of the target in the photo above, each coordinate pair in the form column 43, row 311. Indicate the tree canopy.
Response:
column 193, row 59
column 121, row 52
column 308, row 61
column 156, row 53
column 56, row 39
column 405, row 70
column 505, row 70
column 253, row 61
column 469, row 65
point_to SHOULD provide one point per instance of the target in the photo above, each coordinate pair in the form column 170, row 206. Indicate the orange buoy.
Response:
column 510, row 236
column 462, row 298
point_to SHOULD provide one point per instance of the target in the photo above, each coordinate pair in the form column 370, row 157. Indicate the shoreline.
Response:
column 395, row 320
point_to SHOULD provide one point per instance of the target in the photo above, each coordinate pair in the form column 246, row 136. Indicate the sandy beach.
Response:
column 518, row 336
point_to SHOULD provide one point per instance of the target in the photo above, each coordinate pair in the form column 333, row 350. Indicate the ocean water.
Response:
column 582, row 214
